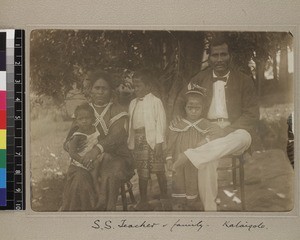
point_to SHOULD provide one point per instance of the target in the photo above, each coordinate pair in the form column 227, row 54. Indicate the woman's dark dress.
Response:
column 116, row 166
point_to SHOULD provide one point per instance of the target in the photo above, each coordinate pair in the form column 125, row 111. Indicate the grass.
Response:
column 49, row 163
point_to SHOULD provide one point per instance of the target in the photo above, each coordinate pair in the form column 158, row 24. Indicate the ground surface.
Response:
column 268, row 174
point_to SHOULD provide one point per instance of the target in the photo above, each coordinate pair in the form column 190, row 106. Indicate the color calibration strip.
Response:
column 3, row 195
column 14, row 197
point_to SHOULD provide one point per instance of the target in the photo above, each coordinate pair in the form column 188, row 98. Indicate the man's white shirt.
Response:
column 218, row 108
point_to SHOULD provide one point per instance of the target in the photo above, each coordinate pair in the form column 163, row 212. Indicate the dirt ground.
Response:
column 269, row 176
column 268, row 184
column 268, row 187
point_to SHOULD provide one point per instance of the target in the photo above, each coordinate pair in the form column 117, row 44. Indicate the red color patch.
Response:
column 2, row 119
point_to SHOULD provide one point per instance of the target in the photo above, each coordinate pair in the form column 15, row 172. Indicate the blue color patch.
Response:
column 2, row 177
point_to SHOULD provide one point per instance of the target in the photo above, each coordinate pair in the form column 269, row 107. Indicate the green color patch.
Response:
column 2, row 158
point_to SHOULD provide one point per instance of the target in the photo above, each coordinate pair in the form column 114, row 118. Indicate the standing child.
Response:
column 190, row 132
column 147, row 125
column 87, row 134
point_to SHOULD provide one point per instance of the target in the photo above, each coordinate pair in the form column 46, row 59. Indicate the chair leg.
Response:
column 123, row 195
column 234, row 173
column 242, row 183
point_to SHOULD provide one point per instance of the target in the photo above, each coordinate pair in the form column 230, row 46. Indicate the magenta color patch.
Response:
column 2, row 100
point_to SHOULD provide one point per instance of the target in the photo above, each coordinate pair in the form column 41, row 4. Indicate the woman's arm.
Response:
column 73, row 143
column 117, row 135
column 110, row 143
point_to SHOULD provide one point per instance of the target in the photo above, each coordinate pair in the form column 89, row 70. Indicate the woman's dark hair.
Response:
column 99, row 74
column 85, row 107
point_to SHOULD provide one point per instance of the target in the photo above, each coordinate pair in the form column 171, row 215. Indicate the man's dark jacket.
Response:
column 241, row 99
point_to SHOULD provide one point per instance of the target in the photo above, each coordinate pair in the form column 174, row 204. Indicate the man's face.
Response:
column 219, row 59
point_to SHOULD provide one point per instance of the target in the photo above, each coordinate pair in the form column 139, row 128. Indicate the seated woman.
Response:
column 116, row 165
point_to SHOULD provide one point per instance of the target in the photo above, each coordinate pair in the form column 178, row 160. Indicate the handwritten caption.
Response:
column 178, row 224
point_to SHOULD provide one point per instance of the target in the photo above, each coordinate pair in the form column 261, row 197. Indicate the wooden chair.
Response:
column 126, row 187
column 238, row 180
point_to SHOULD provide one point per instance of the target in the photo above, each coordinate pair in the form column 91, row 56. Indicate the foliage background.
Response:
column 61, row 59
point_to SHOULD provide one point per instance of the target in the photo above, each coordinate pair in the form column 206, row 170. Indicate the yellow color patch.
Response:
column 2, row 139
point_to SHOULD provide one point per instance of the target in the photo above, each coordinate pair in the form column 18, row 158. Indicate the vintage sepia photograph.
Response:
column 161, row 121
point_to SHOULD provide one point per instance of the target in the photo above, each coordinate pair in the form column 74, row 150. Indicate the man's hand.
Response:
column 175, row 120
column 216, row 130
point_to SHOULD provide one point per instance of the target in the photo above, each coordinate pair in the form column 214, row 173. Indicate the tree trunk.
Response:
column 283, row 67
column 186, row 63
column 260, row 71
column 191, row 54
column 275, row 72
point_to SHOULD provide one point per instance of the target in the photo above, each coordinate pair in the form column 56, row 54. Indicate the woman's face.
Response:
column 100, row 92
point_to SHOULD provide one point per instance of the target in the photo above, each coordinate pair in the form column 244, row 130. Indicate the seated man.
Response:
column 232, row 104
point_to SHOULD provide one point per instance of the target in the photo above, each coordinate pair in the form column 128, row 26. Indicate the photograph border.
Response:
column 33, row 225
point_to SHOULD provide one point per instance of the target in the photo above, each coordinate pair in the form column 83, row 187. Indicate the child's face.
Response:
column 140, row 88
column 84, row 119
column 193, row 108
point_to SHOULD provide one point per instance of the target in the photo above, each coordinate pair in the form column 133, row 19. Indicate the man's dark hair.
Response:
column 217, row 41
